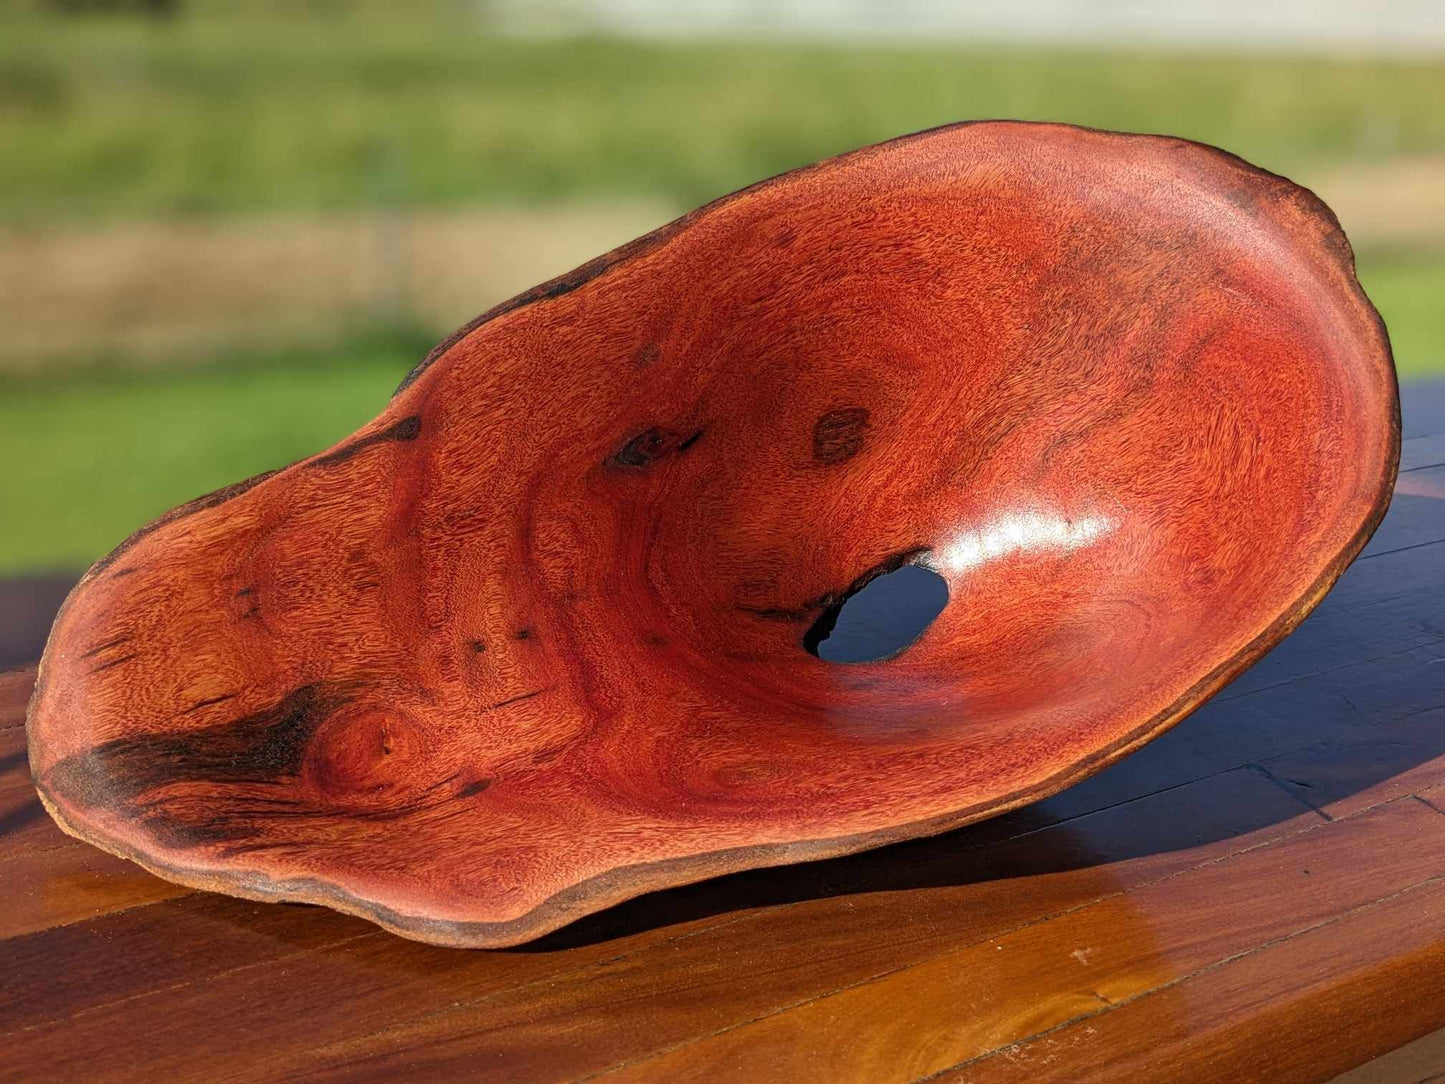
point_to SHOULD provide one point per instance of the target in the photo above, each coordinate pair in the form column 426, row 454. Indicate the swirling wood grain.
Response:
column 534, row 640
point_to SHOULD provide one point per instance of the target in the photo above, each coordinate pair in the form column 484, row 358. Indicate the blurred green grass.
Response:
column 107, row 117
column 104, row 119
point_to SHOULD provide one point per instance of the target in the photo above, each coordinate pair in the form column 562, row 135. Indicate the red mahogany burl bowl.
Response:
column 542, row 636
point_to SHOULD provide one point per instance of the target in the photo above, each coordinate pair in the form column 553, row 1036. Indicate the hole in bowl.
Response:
column 877, row 622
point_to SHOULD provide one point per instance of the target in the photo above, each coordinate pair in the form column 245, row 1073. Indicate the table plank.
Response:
column 1333, row 706
column 918, row 899
column 59, row 973
column 1414, row 1063
column 1344, row 777
column 1422, row 407
column 1422, row 452
column 1414, row 518
column 72, row 882
column 1298, row 1010
column 960, row 1007
column 15, row 686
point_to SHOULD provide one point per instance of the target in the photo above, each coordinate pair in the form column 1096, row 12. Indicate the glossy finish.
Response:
column 1256, row 895
column 535, row 640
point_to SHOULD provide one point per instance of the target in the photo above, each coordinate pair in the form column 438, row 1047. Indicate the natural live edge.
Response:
column 837, row 437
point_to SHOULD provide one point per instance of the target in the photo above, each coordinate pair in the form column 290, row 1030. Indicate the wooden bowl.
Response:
column 536, row 640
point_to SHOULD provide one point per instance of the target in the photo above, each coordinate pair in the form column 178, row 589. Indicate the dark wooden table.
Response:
column 1258, row 895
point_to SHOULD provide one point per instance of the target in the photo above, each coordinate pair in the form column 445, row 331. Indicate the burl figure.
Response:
column 543, row 636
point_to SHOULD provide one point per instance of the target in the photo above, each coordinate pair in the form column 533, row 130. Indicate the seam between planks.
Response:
column 1427, row 803
column 68, row 843
column 1272, row 778
column 313, row 950
column 1397, row 549
column 1224, row 697
column 87, row 918
column 173, row 987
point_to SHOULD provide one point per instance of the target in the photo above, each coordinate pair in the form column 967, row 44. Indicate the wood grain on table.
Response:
column 1258, row 895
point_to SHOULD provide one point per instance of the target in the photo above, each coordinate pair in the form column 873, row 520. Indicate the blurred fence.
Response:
column 160, row 292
